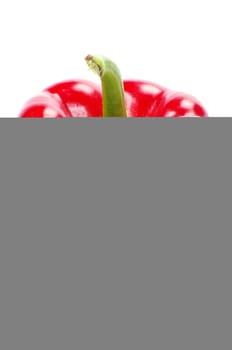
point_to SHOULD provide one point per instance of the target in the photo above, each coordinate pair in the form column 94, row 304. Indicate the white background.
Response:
column 181, row 44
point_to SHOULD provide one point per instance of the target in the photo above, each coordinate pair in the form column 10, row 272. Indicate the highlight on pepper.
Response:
column 112, row 97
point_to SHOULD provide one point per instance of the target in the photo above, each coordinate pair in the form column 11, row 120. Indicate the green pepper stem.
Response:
column 113, row 99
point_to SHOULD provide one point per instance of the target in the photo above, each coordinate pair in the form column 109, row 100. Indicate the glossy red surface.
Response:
column 81, row 98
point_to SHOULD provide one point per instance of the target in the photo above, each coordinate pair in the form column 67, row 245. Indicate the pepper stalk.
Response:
column 113, row 98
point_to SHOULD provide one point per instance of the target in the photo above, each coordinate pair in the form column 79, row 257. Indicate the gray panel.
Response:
column 115, row 234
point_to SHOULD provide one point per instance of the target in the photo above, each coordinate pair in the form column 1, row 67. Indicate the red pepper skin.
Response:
column 81, row 98
column 73, row 98
column 44, row 105
column 147, row 99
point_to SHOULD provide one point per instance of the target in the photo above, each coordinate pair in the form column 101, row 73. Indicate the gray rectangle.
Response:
column 115, row 234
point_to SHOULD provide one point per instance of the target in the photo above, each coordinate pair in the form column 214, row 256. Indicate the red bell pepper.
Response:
column 115, row 98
